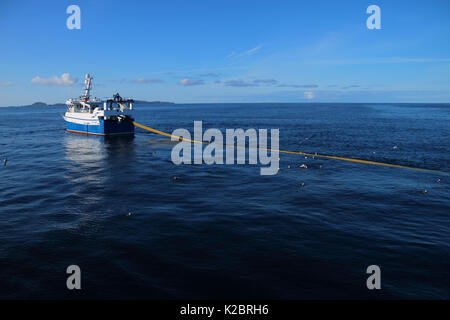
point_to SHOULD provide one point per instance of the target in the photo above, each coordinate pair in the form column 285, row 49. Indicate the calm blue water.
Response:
column 112, row 206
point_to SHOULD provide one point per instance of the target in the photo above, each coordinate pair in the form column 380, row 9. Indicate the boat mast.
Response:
column 87, row 89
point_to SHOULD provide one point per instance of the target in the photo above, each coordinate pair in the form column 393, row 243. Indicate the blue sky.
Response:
column 226, row 51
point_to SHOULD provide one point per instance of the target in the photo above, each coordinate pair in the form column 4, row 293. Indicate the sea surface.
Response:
column 141, row 227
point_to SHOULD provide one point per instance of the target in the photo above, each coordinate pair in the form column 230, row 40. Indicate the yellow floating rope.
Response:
column 299, row 153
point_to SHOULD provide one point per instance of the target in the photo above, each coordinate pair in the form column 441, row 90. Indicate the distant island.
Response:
column 43, row 104
column 152, row 102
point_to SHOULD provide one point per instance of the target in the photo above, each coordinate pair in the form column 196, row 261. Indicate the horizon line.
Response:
column 272, row 102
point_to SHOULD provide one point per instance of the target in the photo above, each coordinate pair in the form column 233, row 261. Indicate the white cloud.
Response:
column 252, row 51
column 141, row 80
column 64, row 80
column 308, row 94
column 209, row 74
column 265, row 81
column 190, row 82
column 5, row 83
column 239, row 83
column 298, row 86
column 245, row 53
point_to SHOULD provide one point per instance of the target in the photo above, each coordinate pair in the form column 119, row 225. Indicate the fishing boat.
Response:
column 89, row 115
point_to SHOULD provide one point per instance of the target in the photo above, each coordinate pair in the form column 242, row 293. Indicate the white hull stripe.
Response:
column 82, row 121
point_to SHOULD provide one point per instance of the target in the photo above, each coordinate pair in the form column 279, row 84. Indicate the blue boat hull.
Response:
column 105, row 128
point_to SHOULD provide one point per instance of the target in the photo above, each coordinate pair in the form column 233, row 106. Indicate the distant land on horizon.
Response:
column 43, row 104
